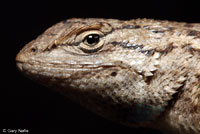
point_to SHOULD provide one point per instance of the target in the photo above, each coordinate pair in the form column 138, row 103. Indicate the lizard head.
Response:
column 102, row 64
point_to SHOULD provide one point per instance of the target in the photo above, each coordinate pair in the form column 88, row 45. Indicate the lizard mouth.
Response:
column 36, row 69
column 58, row 71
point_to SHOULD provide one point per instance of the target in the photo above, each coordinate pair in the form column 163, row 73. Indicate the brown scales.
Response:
column 145, row 65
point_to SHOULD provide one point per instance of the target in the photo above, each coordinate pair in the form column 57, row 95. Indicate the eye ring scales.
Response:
column 92, row 41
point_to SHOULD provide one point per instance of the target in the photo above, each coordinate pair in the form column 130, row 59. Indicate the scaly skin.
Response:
column 141, row 73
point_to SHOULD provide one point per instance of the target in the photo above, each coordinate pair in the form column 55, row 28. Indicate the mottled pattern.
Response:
column 141, row 73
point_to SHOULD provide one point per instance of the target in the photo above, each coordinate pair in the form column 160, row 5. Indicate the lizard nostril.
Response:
column 33, row 49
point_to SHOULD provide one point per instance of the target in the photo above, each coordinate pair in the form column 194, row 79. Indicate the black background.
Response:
column 25, row 104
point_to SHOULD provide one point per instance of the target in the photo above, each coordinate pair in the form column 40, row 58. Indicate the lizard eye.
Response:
column 92, row 41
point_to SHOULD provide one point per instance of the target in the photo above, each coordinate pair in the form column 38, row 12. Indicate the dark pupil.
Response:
column 92, row 39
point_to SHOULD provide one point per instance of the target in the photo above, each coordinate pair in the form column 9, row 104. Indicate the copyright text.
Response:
column 15, row 131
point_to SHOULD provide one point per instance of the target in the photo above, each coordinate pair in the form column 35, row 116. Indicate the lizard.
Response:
column 139, row 72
